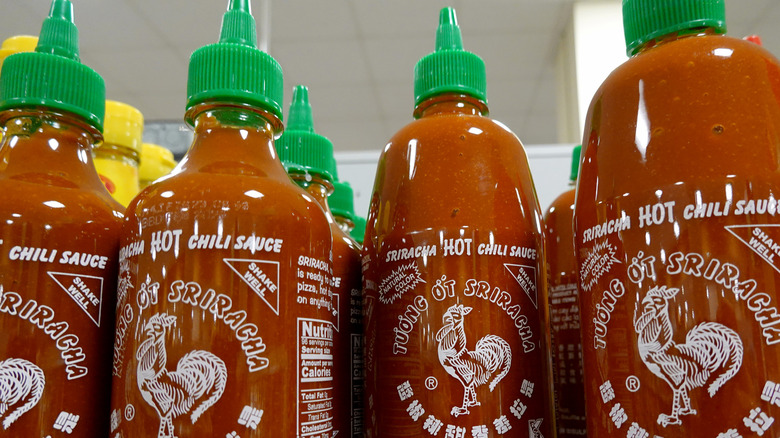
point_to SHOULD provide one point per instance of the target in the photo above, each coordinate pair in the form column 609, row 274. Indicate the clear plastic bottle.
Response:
column 225, row 322
column 562, row 271
column 453, row 265
column 307, row 156
column 675, row 224
column 156, row 162
column 60, row 238
column 118, row 157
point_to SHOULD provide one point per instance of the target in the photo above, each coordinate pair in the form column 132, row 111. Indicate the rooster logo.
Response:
column 21, row 388
column 197, row 383
column 711, row 354
column 491, row 357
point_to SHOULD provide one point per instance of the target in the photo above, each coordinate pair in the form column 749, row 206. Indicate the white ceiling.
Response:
column 356, row 56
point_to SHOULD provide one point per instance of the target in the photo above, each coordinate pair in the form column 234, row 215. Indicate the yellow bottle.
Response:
column 118, row 157
column 17, row 44
column 156, row 162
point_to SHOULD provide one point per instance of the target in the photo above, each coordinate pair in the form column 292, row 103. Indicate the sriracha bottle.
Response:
column 225, row 323
column 59, row 238
column 308, row 158
column 564, row 310
column 676, row 224
column 156, row 162
column 454, row 272
column 118, row 157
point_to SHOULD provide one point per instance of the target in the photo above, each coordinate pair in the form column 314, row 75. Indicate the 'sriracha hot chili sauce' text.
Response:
column 676, row 220
column 454, row 276
column 308, row 158
column 225, row 323
column 59, row 239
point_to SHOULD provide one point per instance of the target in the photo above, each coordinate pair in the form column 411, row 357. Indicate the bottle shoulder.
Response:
column 343, row 243
column 455, row 169
column 454, row 148
column 699, row 55
column 465, row 128
column 559, row 216
column 67, row 171
column 222, row 195
column 698, row 109
column 703, row 72
column 563, row 203
column 58, row 204
column 208, row 186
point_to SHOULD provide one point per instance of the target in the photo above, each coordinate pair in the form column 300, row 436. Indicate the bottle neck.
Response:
column 114, row 151
column 45, row 147
column 345, row 223
column 233, row 139
column 318, row 187
column 451, row 103
column 676, row 36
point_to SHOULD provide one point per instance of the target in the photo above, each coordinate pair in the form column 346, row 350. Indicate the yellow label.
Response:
column 121, row 179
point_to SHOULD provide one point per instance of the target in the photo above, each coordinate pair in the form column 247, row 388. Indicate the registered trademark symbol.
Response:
column 431, row 383
column 632, row 383
column 129, row 412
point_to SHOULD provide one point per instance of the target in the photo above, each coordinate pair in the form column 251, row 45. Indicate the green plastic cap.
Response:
column 301, row 150
column 646, row 20
column 449, row 69
column 575, row 162
column 333, row 169
column 53, row 76
column 234, row 70
column 358, row 233
column 342, row 201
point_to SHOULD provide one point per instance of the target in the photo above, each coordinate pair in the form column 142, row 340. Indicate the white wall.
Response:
column 599, row 48
column 550, row 168
column 359, row 169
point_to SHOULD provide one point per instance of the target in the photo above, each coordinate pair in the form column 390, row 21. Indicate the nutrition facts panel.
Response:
column 315, row 374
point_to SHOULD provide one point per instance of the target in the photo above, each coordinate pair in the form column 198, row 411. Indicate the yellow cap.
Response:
column 16, row 44
column 156, row 162
column 123, row 126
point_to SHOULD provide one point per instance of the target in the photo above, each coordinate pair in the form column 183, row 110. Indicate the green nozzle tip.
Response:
column 449, row 69
column 238, row 24
column 53, row 76
column 301, row 150
column 59, row 35
column 299, row 118
column 240, row 6
column 234, row 70
column 448, row 34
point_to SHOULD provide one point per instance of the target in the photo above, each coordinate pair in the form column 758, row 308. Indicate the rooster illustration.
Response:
column 472, row 368
column 21, row 386
column 197, row 383
column 711, row 354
